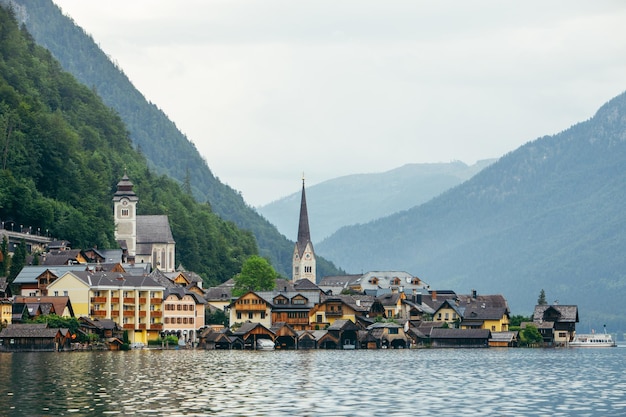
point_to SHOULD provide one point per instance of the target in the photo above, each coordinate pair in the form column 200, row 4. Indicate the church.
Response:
column 303, row 254
column 144, row 239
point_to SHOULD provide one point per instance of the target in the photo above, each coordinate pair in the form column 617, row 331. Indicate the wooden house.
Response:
column 33, row 338
column 345, row 333
column 460, row 338
column 286, row 336
column 386, row 335
column 250, row 333
column 556, row 323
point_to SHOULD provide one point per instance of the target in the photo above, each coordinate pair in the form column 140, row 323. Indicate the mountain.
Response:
column 63, row 152
column 549, row 215
column 361, row 198
column 166, row 149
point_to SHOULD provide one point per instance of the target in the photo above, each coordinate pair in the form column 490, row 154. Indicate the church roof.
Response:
column 304, row 234
column 154, row 229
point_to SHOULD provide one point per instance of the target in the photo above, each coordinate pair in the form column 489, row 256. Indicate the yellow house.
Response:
column 134, row 302
column 251, row 307
column 333, row 308
column 474, row 311
column 6, row 312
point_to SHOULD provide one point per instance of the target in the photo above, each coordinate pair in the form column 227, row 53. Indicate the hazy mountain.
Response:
column 549, row 215
column 360, row 198
column 167, row 150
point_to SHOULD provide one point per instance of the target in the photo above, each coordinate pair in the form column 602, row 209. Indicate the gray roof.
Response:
column 568, row 313
column 29, row 330
column 116, row 280
column 440, row 333
column 29, row 273
column 154, row 229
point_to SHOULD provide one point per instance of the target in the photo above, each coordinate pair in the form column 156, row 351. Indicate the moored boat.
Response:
column 593, row 340
column 264, row 344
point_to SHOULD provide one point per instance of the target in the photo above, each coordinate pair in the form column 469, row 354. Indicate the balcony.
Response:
column 156, row 326
column 98, row 313
column 115, row 313
column 129, row 326
column 142, row 313
column 156, row 314
column 142, row 300
column 129, row 313
column 156, row 300
column 129, row 300
column 98, row 300
column 334, row 313
column 142, row 326
column 115, row 300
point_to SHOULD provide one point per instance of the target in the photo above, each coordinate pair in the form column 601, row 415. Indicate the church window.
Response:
column 125, row 212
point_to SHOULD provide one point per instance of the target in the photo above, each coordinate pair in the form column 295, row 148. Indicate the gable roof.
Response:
column 565, row 313
column 441, row 333
column 38, row 330
column 29, row 273
column 57, row 304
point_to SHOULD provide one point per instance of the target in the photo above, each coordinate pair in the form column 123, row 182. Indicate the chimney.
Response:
column 433, row 294
column 358, row 302
column 418, row 298
column 474, row 294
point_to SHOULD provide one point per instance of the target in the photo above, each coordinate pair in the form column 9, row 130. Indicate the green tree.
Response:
column 517, row 320
column 542, row 298
column 17, row 261
column 4, row 256
column 530, row 336
column 216, row 317
column 257, row 274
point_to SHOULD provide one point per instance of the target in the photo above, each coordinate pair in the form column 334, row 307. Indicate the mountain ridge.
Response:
column 547, row 215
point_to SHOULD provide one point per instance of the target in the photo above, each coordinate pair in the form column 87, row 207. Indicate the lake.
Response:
column 442, row 382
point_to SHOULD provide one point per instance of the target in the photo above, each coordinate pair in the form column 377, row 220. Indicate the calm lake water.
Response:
column 455, row 382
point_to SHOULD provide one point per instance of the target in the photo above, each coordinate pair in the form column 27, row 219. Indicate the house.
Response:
column 286, row 336
column 385, row 335
column 6, row 312
column 250, row 333
column 103, row 328
column 33, row 280
column 59, row 305
column 33, row 338
column 556, row 323
column 339, row 307
column 460, row 338
column 219, row 297
column 343, row 334
column 374, row 283
column 474, row 312
column 251, row 307
column 503, row 339
column 224, row 339
column 133, row 302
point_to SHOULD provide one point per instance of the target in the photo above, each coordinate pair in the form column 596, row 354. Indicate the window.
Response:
column 439, row 316
column 393, row 330
column 319, row 318
column 179, row 307
column 184, row 320
column 250, row 316
column 298, row 301
column 493, row 328
column 65, row 293
column 56, row 293
column 179, row 320
column 238, row 316
column 262, row 315
column 125, row 212
column 447, row 316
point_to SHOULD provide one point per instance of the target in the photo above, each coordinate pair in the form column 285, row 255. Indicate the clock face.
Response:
column 308, row 255
column 124, row 202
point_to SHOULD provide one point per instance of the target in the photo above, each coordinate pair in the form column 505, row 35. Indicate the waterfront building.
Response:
column 556, row 323
column 475, row 311
column 134, row 302
column 304, row 262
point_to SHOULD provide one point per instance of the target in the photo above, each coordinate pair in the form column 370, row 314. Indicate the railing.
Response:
column 142, row 326
column 334, row 313
column 142, row 313
column 156, row 313
column 142, row 300
column 156, row 326
column 156, row 300
column 129, row 313
column 98, row 299
column 98, row 313
column 115, row 300
column 129, row 300
column 129, row 326
column 115, row 313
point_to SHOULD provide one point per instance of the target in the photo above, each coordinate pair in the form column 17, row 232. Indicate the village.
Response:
column 136, row 296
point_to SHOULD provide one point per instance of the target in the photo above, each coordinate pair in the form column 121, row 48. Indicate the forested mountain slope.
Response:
column 63, row 152
column 167, row 150
column 361, row 198
column 549, row 215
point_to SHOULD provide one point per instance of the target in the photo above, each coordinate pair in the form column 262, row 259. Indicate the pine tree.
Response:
column 542, row 298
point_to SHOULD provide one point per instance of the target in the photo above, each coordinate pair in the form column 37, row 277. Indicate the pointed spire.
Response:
column 304, row 235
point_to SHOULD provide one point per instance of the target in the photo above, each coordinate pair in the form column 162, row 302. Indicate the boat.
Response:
column 264, row 344
column 593, row 340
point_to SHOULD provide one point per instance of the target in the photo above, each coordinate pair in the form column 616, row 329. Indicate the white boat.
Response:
column 593, row 340
column 264, row 344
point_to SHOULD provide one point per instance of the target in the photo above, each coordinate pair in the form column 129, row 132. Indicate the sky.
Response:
column 272, row 90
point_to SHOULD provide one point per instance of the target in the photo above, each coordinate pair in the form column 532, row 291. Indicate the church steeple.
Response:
column 303, row 255
column 304, row 234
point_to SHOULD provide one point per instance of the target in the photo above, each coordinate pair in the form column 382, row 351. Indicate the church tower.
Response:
column 125, row 215
column 303, row 253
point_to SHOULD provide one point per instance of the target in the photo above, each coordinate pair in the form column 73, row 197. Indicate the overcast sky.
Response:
column 268, row 90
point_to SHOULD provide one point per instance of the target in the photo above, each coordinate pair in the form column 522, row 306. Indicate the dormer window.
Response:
column 395, row 281
column 373, row 281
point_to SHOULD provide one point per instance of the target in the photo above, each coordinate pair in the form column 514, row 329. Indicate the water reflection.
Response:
column 556, row 382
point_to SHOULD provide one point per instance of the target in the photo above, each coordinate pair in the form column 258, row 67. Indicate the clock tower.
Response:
column 125, row 215
column 303, row 254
